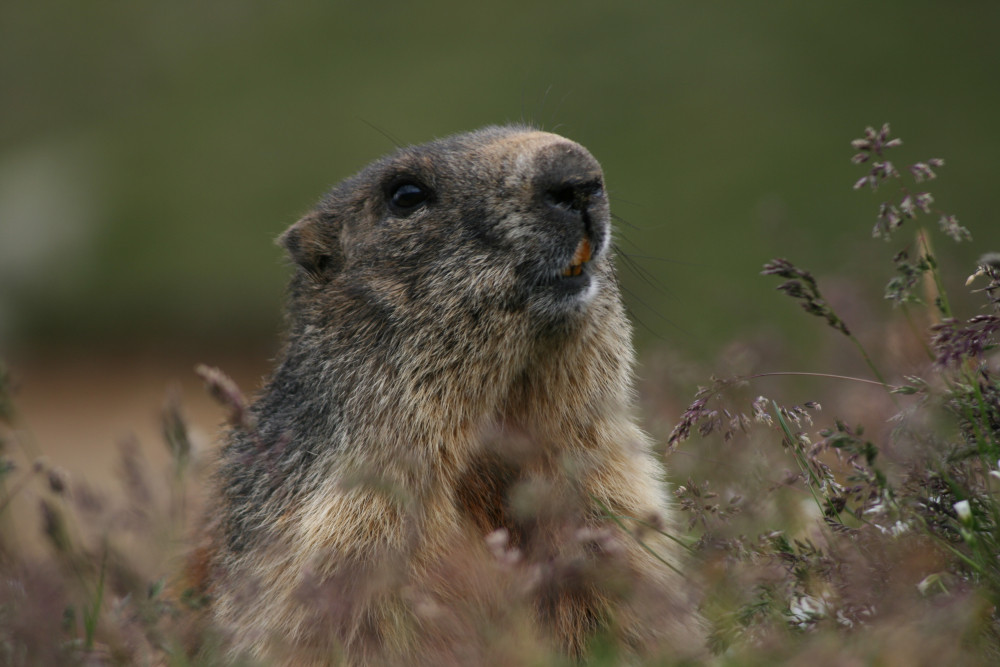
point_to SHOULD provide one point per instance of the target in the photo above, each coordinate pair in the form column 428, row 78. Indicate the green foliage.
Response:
column 927, row 486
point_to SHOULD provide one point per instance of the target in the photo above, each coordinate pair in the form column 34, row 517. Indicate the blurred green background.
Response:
column 150, row 152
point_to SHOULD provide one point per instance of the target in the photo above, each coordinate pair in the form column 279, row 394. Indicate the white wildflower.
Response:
column 806, row 610
column 964, row 511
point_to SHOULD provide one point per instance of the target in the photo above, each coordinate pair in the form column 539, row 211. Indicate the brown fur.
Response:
column 442, row 381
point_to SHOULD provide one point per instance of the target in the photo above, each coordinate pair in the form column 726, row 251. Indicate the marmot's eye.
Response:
column 408, row 196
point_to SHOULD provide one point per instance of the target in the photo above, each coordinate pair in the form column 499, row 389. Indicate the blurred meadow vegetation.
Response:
column 150, row 154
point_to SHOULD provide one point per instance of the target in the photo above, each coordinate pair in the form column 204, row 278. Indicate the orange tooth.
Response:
column 572, row 270
column 582, row 252
column 580, row 257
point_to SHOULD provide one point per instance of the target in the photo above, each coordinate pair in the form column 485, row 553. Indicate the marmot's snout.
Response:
column 576, row 201
column 568, row 187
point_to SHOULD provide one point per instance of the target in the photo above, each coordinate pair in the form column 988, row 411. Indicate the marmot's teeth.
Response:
column 580, row 257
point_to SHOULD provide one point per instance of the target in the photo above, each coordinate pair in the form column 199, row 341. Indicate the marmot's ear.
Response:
column 313, row 244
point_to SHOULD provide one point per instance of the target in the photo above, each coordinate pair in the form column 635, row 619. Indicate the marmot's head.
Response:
column 503, row 218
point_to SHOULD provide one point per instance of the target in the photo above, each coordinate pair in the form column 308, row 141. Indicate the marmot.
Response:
column 456, row 384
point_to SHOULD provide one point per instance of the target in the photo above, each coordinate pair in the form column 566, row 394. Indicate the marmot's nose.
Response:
column 572, row 195
column 568, row 180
